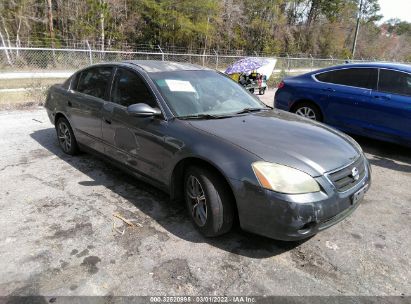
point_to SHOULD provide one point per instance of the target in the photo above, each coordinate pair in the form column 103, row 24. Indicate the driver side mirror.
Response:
column 143, row 110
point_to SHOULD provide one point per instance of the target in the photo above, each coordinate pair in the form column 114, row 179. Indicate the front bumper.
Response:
column 294, row 217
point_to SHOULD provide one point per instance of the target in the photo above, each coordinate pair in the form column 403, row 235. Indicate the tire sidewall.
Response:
column 218, row 203
column 73, row 148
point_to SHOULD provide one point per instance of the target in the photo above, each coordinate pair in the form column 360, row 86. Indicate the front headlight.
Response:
column 283, row 179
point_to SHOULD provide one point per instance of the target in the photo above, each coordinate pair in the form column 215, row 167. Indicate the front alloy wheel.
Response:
column 196, row 197
column 208, row 200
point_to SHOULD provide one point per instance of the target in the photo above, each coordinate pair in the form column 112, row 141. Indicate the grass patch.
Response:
column 28, row 83
column 33, row 95
column 21, row 100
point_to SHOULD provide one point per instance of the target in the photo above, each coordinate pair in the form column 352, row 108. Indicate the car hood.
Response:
column 284, row 138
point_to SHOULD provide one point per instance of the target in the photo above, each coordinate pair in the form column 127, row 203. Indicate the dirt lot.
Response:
column 58, row 235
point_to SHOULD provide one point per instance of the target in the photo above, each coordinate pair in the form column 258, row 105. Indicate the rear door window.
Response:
column 394, row 82
column 356, row 77
column 129, row 88
column 95, row 81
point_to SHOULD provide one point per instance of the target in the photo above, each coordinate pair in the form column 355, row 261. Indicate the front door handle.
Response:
column 329, row 90
column 69, row 103
column 107, row 121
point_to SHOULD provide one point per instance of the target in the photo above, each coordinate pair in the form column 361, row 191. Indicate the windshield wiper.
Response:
column 249, row 110
column 203, row 116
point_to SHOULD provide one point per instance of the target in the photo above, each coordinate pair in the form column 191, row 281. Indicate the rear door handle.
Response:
column 107, row 121
column 386, row 97
column 69, row 104
column 329, row 90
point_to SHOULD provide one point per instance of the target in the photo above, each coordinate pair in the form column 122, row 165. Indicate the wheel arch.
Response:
column 59, row 115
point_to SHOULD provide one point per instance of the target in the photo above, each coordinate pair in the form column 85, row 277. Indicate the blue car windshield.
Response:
column 196, row 93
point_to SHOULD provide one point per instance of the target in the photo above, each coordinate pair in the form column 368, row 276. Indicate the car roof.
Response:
column 386, row 65
column 154, row 66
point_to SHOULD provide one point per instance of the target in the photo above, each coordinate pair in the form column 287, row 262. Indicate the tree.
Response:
column 317, row 27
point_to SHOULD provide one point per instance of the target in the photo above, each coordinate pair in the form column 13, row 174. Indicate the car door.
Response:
column 87, row 97
column 390, row 113
column 347, row 92
column 137, row 142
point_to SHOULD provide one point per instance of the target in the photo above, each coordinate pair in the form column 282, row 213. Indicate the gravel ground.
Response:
column 58, row 235
column 268, row 97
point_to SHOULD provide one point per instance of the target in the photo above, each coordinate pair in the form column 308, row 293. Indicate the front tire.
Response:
column 208, row 201
column 65, row 136
column 308, row 110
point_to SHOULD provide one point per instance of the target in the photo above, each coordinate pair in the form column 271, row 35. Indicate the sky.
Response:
column 400, row 9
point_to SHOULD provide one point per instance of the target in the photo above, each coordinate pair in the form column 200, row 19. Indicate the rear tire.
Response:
column 261, row 91
column 208, row 201
column 308, row 110
column 65, row 136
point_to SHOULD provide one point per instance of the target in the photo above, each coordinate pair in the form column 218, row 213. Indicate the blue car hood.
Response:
column 284, row 138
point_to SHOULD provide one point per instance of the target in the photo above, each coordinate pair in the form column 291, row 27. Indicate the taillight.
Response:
column 281, row 85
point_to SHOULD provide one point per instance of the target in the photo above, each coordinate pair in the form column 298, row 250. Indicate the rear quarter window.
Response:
column 395, row 82
column 66, row 84
column 74, row 81
column 71, row 82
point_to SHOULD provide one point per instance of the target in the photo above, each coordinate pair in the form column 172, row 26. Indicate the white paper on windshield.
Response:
column 180, row 86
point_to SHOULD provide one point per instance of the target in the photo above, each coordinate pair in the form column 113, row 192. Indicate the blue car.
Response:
column 372, row 99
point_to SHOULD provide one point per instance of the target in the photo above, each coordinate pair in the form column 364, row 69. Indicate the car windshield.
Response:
column 204, row 94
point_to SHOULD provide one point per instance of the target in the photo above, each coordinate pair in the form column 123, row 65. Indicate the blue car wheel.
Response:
column 308, row 110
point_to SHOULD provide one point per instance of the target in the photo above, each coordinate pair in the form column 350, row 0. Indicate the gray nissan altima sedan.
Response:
column 203, row 139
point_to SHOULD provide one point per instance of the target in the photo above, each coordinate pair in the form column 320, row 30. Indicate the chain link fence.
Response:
column 14, row 59
column 27, row 72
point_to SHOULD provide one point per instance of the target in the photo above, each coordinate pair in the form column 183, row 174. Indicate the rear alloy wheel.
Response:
column 308, row 110
column 65, row 136
column 208, row 201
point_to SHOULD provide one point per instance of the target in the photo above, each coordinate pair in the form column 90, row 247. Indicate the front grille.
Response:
column 343, row 179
